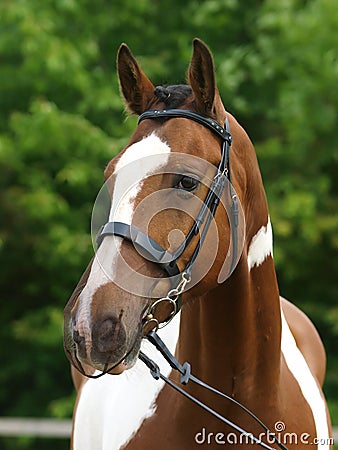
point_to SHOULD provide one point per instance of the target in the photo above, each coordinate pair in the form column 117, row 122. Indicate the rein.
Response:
column 186, row 376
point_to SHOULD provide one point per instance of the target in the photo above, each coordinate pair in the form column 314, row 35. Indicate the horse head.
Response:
column 158, row 185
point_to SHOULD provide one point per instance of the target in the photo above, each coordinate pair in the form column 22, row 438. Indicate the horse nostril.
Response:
column 80, row 343
column 109, row 335
column 77, row 338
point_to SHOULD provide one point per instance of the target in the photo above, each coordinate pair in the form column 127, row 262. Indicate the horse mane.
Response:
column 173, row 96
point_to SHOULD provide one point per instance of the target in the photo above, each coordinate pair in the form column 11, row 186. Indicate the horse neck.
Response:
column 231, row 335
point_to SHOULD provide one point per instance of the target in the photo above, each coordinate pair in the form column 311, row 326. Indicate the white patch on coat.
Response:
column 136, row 163
column 307, row 383
column 260, row 246
column 112, row 408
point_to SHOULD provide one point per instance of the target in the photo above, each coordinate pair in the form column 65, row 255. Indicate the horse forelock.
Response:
column 181, row 96
column 173, row 96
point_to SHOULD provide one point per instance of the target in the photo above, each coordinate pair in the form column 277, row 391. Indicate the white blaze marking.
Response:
column 260, row 246
column 150, row 154
column 111, row 409
column 307, row 383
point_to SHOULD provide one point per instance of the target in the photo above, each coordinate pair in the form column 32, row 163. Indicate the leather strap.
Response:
column 206, row 121
column 146, row 246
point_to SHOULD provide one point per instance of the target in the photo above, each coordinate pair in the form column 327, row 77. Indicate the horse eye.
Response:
column 187, row 183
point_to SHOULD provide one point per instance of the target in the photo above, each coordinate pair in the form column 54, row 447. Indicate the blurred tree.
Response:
column 62, row 120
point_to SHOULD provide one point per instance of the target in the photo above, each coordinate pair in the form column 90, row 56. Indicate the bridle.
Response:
column 153, row 251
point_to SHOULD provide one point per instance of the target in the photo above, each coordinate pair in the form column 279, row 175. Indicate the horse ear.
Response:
column 135, row 86
column 201, row 77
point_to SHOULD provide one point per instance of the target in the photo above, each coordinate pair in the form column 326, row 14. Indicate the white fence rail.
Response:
column 51, row 428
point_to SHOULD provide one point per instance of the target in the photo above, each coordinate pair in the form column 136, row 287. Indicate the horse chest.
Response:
column 112, row 408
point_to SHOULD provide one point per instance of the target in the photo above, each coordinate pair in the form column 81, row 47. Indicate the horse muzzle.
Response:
column 105, row 345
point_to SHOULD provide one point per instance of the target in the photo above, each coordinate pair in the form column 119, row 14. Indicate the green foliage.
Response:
column 61, row 121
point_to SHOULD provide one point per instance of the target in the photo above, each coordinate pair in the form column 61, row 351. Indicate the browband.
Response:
column 187, row 114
